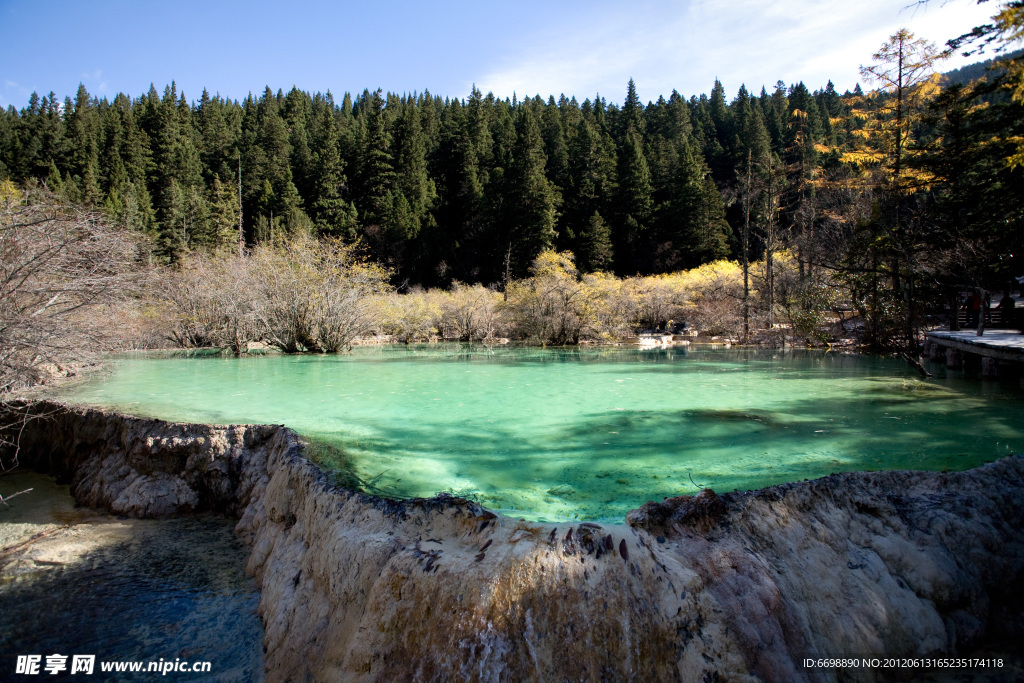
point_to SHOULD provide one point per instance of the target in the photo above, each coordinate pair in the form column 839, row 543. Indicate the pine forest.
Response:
column 888, row 201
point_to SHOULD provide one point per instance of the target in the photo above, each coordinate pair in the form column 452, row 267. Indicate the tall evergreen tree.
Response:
column 594, row 245
column 591, row 183
column 529, row 225
column 635, row 206
column 377, row 173
column 217, row 124
column 223, row 220
column 691, row 225
column 83, row 125
column 333, row 214
column 631, row 115
column 413, row 181
column 178, row 188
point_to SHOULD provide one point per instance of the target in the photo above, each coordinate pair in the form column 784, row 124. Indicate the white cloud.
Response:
column 755, row 42
column 13, row 93
column 94, row 82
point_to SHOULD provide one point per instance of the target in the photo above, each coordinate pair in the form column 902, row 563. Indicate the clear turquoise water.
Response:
column 553, row 434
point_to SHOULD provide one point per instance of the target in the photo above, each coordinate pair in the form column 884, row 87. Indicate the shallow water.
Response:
column 553, row 434
column 74, row 581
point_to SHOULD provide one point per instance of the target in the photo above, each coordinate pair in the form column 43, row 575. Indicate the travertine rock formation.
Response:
column 742, row 586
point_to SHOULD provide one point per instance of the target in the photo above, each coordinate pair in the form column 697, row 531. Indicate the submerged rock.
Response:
column 562, row 490
column 744, row 585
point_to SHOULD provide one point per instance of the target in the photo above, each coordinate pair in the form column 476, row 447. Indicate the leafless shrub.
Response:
column 462, row 313
column 317, row 295
column 415, row 316
column 551, row 306
column 215, row 301
column 307, row 295
column 470, row 312
column 658, row 299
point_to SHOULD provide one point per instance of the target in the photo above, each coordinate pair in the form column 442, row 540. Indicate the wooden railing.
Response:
column 996, row 318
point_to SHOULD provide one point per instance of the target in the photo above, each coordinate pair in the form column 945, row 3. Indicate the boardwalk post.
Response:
column 954, row 359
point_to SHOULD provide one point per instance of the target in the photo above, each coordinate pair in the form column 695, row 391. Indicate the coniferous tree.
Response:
column 691, row 225
column 413, row 181
column 113, row 174
column 223, row 223
column 479, row 114
column 333, row 214
column 218, row 127
column 555, row 147
column 528, row 228
column 456, row 247
column 594, row 250
column 272, row 137
column 12, row 152
column 83, row 125
column 632, row 114
column 978, row 200
column 377, row 173
column 416, row 191
column 177, row 188
column 52, row 135
column 718, row 152
column 296, row 112
column 591, row 178
column 635, row 206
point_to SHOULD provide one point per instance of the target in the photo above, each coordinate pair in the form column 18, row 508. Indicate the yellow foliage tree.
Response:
column 1010, row 24
column 904, row 70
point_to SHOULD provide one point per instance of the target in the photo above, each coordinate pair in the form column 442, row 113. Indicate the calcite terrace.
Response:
column 739, row 586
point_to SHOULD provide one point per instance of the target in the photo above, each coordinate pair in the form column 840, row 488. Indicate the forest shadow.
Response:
column 618, row 459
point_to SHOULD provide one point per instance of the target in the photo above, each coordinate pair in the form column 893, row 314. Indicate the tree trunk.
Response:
column 241, row 234
column 746, row 255
column 981, row 311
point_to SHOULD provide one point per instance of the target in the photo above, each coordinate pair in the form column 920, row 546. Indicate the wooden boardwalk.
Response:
column 1001, row 351
column 1006, row 345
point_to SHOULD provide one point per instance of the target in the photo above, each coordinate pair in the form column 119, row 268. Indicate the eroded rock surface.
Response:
column 741, row 586
column 142, row 467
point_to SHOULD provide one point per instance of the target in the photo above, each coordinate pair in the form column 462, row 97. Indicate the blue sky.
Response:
column 527, row 47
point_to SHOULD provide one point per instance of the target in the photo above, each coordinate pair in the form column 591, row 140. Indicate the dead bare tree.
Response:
column 61, row 268
column 64, row 271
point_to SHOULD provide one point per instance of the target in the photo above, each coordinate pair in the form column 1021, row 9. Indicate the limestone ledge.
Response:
column 741, row 586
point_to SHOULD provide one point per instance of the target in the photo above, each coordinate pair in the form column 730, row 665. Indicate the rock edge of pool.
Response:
column 743, row 585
